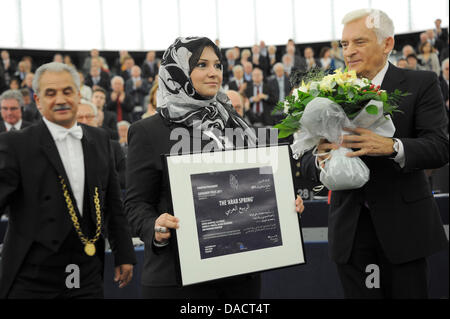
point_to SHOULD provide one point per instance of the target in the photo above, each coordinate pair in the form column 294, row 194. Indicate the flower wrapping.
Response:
column 323, row 107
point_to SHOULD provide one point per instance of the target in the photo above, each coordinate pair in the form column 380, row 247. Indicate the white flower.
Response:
column 286, row 107
column 314, row 85
column 359, row 82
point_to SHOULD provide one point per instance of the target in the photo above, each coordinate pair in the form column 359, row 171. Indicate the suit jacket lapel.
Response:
column 48, row 146
column 393, row 79
column 91, row 160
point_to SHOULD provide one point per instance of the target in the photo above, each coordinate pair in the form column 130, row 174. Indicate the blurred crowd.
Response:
column 123, row 92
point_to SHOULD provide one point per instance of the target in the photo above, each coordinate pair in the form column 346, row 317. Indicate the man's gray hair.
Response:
column 123, row 123
column 278, row 64
column 93, row 107
column 377, row 20
column 12, row 94
column 117, row 77
column 443, row 63
column 238, row 67
column 55, row 67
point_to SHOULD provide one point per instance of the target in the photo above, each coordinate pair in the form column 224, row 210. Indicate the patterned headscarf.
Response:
column 179, row 102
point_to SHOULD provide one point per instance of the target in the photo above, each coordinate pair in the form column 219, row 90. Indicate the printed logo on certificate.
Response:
column 236, row 211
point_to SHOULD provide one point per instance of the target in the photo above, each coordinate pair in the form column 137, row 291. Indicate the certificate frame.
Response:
column 271, row 160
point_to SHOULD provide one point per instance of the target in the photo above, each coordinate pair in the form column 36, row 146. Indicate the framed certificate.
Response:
column 237, row 212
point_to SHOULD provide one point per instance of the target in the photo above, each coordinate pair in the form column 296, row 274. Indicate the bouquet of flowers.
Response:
column 326, row 104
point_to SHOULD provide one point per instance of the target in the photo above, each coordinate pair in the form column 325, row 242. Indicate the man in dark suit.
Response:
column 150, row 67
column 59, row 182
column 11, row 103
column 281, row 87
column 98, row 78
column 262, row 100
column 380, row 234
column 238, row 83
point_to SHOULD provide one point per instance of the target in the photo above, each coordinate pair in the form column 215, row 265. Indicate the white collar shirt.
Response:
column 71, row 153
column 17, row 126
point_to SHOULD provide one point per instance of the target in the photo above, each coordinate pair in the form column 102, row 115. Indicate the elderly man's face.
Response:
column 58, row 98
column 257, row 76
column 309, row 54
column 238, row 73
column 86, row 115
column 10, row 111
column 135, row 71
column 236, row 101
column 117, row 85
column 279, row 71
column 361, row 49
column 248, row 67
column 445, row 71
column 123, row 131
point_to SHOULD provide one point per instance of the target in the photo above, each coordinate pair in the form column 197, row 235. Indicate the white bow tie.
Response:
column 75, row 131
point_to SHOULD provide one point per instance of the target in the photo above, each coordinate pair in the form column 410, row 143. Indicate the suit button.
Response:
column 47, row 197
column 298, row 164
column 297, row 174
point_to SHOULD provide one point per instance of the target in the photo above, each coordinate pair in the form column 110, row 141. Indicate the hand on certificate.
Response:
column 163, row 224
column 299, row 205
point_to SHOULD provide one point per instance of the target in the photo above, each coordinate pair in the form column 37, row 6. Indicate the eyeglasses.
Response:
column 87, row 117
column 12, row 108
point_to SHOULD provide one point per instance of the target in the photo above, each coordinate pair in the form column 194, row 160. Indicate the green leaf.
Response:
column 372, row 109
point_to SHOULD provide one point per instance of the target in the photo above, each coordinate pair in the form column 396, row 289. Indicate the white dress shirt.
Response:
column 71, row 154
column 377, row 80
column 16, row 126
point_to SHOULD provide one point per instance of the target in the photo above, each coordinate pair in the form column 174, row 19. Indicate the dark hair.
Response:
column 197, row 52
column 323, row 51
column 412, row 55
column 423, row 44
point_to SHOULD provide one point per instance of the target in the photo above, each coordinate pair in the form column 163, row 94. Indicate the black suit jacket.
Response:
column 105, row 81
column 3, row 126
column 29, row 168
column 403, row 211
column 147, row 72
column 266, row 117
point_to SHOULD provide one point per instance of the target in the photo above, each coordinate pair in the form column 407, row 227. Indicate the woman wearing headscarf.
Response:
column 189, row 98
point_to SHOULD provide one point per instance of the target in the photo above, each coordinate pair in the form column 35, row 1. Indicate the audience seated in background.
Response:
column 311, row 62
column 8, row 65
column 150, row 67
column 87, row 114
column 94, row 54
column 30, row 110
column 105, row 119
column 151, row 100
column 429, row 59
column 122, row 128
column 402, row 63
column 325, row 59
column 262, row 100
column 97, row 77
column 118, row 101
column 137, row 88
column 413, row 62
column 11, row 103
column 444, row 82
column 238, row 83
column 85, row 91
